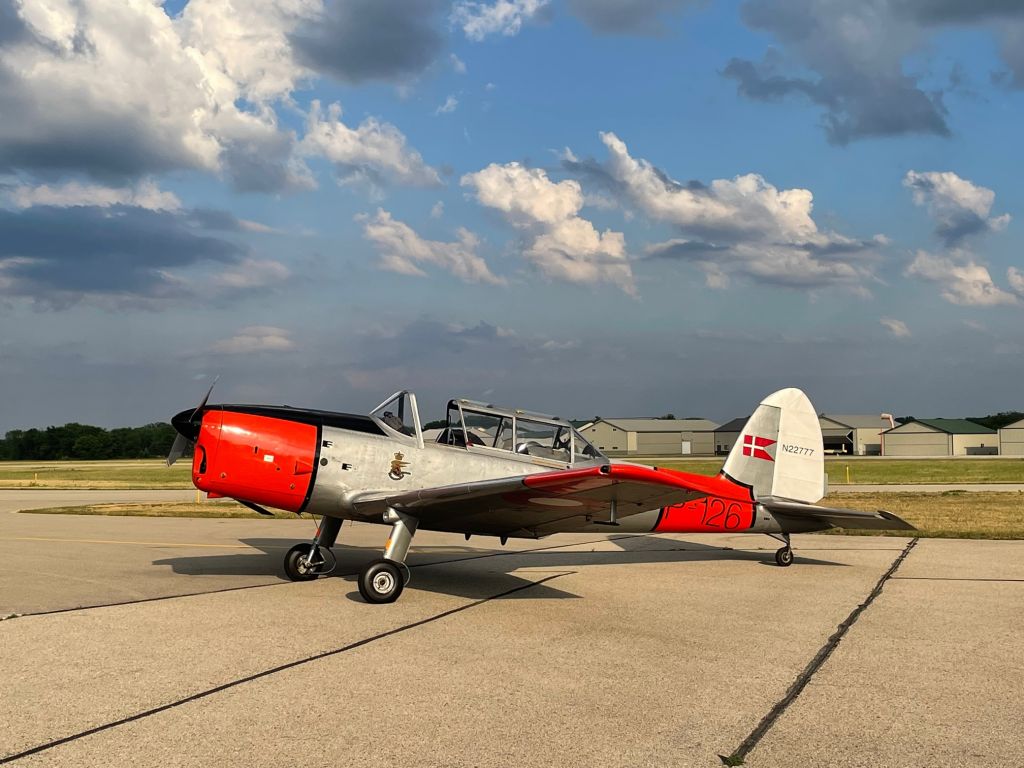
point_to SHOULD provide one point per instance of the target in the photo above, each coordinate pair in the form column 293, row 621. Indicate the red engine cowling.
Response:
column 255, row 458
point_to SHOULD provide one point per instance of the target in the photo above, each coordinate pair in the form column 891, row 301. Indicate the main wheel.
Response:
column 381, row 582
column 296, row 562
column 784, row 557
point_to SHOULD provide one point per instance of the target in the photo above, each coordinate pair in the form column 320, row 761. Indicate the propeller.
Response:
column 187, row 427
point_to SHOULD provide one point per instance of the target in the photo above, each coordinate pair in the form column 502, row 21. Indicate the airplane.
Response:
column 499, row 472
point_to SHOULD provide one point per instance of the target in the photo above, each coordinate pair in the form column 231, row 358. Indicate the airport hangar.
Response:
column 652, row 437
column 940, row 437
column 1011, row 439
column 842, row 434
column 858, row 435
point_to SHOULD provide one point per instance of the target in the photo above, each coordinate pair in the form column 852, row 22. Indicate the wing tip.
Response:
column 903, row 524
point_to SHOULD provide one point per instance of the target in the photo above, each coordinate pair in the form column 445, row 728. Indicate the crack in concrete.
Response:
column 951, row 578
column 738, row 755
column 272, row 671
column 483, row 555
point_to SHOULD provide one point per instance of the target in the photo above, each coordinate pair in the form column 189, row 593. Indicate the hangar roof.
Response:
column 866, row 421
column 1015, row 425
column 736, row 425
column 950, row 426
column 662, row 425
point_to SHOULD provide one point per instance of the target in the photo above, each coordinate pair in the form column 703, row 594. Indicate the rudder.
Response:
column 779, row 453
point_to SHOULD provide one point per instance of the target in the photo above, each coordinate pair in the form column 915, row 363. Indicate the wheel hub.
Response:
column 383, row 582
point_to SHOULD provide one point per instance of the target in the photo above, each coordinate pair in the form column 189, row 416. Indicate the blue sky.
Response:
column 575, row 206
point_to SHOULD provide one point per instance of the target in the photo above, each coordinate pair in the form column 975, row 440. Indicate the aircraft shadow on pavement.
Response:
column 478, row 573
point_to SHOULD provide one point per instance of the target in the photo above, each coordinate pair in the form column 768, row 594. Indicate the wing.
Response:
column 534, row 505
column 840, row 518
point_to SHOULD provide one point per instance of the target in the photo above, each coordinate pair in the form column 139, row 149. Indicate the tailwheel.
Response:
column 784, row 556
column 305, row 562
column 381, row 582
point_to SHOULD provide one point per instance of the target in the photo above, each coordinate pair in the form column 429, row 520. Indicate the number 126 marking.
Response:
column 721, row 514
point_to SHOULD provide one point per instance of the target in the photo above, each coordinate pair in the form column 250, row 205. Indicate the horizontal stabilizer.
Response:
column 840, row 518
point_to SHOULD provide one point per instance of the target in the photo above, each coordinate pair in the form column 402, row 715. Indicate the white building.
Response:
column 1011, row 439
column 652, row 437
column 940, row 437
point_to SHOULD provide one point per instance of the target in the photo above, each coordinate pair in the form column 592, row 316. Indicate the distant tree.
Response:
column 82, row 441
column 667, row 417
column 997, row 420
column 436, row 424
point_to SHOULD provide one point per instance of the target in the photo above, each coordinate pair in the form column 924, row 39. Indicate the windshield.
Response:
column 399, row 413
column 478, row 426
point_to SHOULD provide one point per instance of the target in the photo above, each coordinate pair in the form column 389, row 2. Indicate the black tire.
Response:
column 381, row 582
column 784, row 557
column 294, row 563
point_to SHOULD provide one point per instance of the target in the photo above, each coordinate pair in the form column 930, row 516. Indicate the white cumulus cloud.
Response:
column 146, row 194
column 960, row 207
column 1016, row 279
column 506, row 17
column 743, row 225
column 372, row 152
column 563, row 245
column 251, row 273
column 449, row 106
column 255, row 338
column 402, row 250
column 120, row 89
column 896, row 328
column 962, row 279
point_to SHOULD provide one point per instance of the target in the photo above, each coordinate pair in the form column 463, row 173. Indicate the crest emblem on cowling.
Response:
column 398, row 467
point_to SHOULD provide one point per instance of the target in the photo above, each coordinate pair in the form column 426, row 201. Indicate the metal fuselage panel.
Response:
column 354, row 465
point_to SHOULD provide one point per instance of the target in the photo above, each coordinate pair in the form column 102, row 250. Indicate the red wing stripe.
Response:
column 570, row 481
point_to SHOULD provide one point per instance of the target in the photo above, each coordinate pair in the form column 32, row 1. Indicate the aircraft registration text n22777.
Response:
column 499, row 472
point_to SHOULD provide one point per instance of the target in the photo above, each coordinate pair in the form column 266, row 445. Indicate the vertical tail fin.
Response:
column 779, row 452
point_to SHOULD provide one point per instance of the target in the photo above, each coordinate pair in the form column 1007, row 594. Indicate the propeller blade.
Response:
column 187, row 429
column 177, row 449
column 207, row 398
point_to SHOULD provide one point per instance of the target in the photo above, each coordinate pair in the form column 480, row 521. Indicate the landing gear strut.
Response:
column 784, row 556
column 382, row 581
column 305, row 562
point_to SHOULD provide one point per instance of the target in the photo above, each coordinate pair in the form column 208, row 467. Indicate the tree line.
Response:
column 82, row 441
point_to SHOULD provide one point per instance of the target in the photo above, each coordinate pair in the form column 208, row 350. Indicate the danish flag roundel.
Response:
column 755, row 446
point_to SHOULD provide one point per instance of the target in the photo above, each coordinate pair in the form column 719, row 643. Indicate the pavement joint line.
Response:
column 740, row 753
column 950, row 578
column 116, row 541
column 272, row 671
column 285, row 583
column 343, row 575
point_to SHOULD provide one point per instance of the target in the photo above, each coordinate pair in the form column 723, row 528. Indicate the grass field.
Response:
column 101, row 475
column 953, row 514
column 152, row 473
column 948, row 515
column 891, row 471
column 171, row 509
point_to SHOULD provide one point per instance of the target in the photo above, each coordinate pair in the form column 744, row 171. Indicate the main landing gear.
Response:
column 783, row 556
column 382, row 581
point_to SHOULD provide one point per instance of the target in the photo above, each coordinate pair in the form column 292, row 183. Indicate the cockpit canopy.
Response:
column 479, row 425
column 487, row 428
